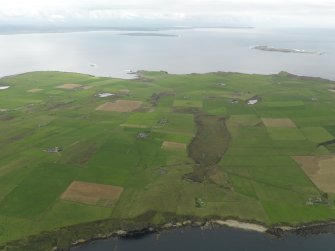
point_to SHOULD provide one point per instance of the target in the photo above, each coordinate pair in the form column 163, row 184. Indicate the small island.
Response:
column 284, row 50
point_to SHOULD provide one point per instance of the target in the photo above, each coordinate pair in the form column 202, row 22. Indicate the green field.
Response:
column 233, row 166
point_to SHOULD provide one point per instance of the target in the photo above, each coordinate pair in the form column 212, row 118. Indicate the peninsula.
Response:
column 85, row 157
column 274, row 49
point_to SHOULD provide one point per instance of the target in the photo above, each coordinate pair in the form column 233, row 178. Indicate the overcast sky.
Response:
column 309, row 13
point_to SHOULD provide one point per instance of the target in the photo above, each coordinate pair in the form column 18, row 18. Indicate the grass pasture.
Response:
column 187, row 103
column 283, row 133
column 276, row 104
column 167, row 146
column 317, row 134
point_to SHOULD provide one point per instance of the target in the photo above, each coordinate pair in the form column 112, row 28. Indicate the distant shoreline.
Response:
column 146, row 34
column 52, row 30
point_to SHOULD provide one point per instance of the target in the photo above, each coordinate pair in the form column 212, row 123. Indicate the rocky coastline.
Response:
column 276, row 231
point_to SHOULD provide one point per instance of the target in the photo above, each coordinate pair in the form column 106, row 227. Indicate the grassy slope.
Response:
column 255, row 180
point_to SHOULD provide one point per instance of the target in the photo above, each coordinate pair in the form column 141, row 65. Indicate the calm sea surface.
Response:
column 222, row 239
column 192, row 51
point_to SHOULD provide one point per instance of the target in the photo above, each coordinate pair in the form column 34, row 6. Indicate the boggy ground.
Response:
column 208, row 146
column 244, row 169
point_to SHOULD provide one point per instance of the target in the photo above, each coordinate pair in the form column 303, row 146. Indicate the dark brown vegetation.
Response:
column 208, row 146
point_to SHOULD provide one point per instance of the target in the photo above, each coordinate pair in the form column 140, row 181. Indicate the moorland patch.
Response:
column 208, row 146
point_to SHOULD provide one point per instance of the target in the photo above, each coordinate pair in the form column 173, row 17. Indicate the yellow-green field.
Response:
column 74, row 165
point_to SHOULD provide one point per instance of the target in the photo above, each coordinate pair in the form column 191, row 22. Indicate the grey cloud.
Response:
column 258, row 12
